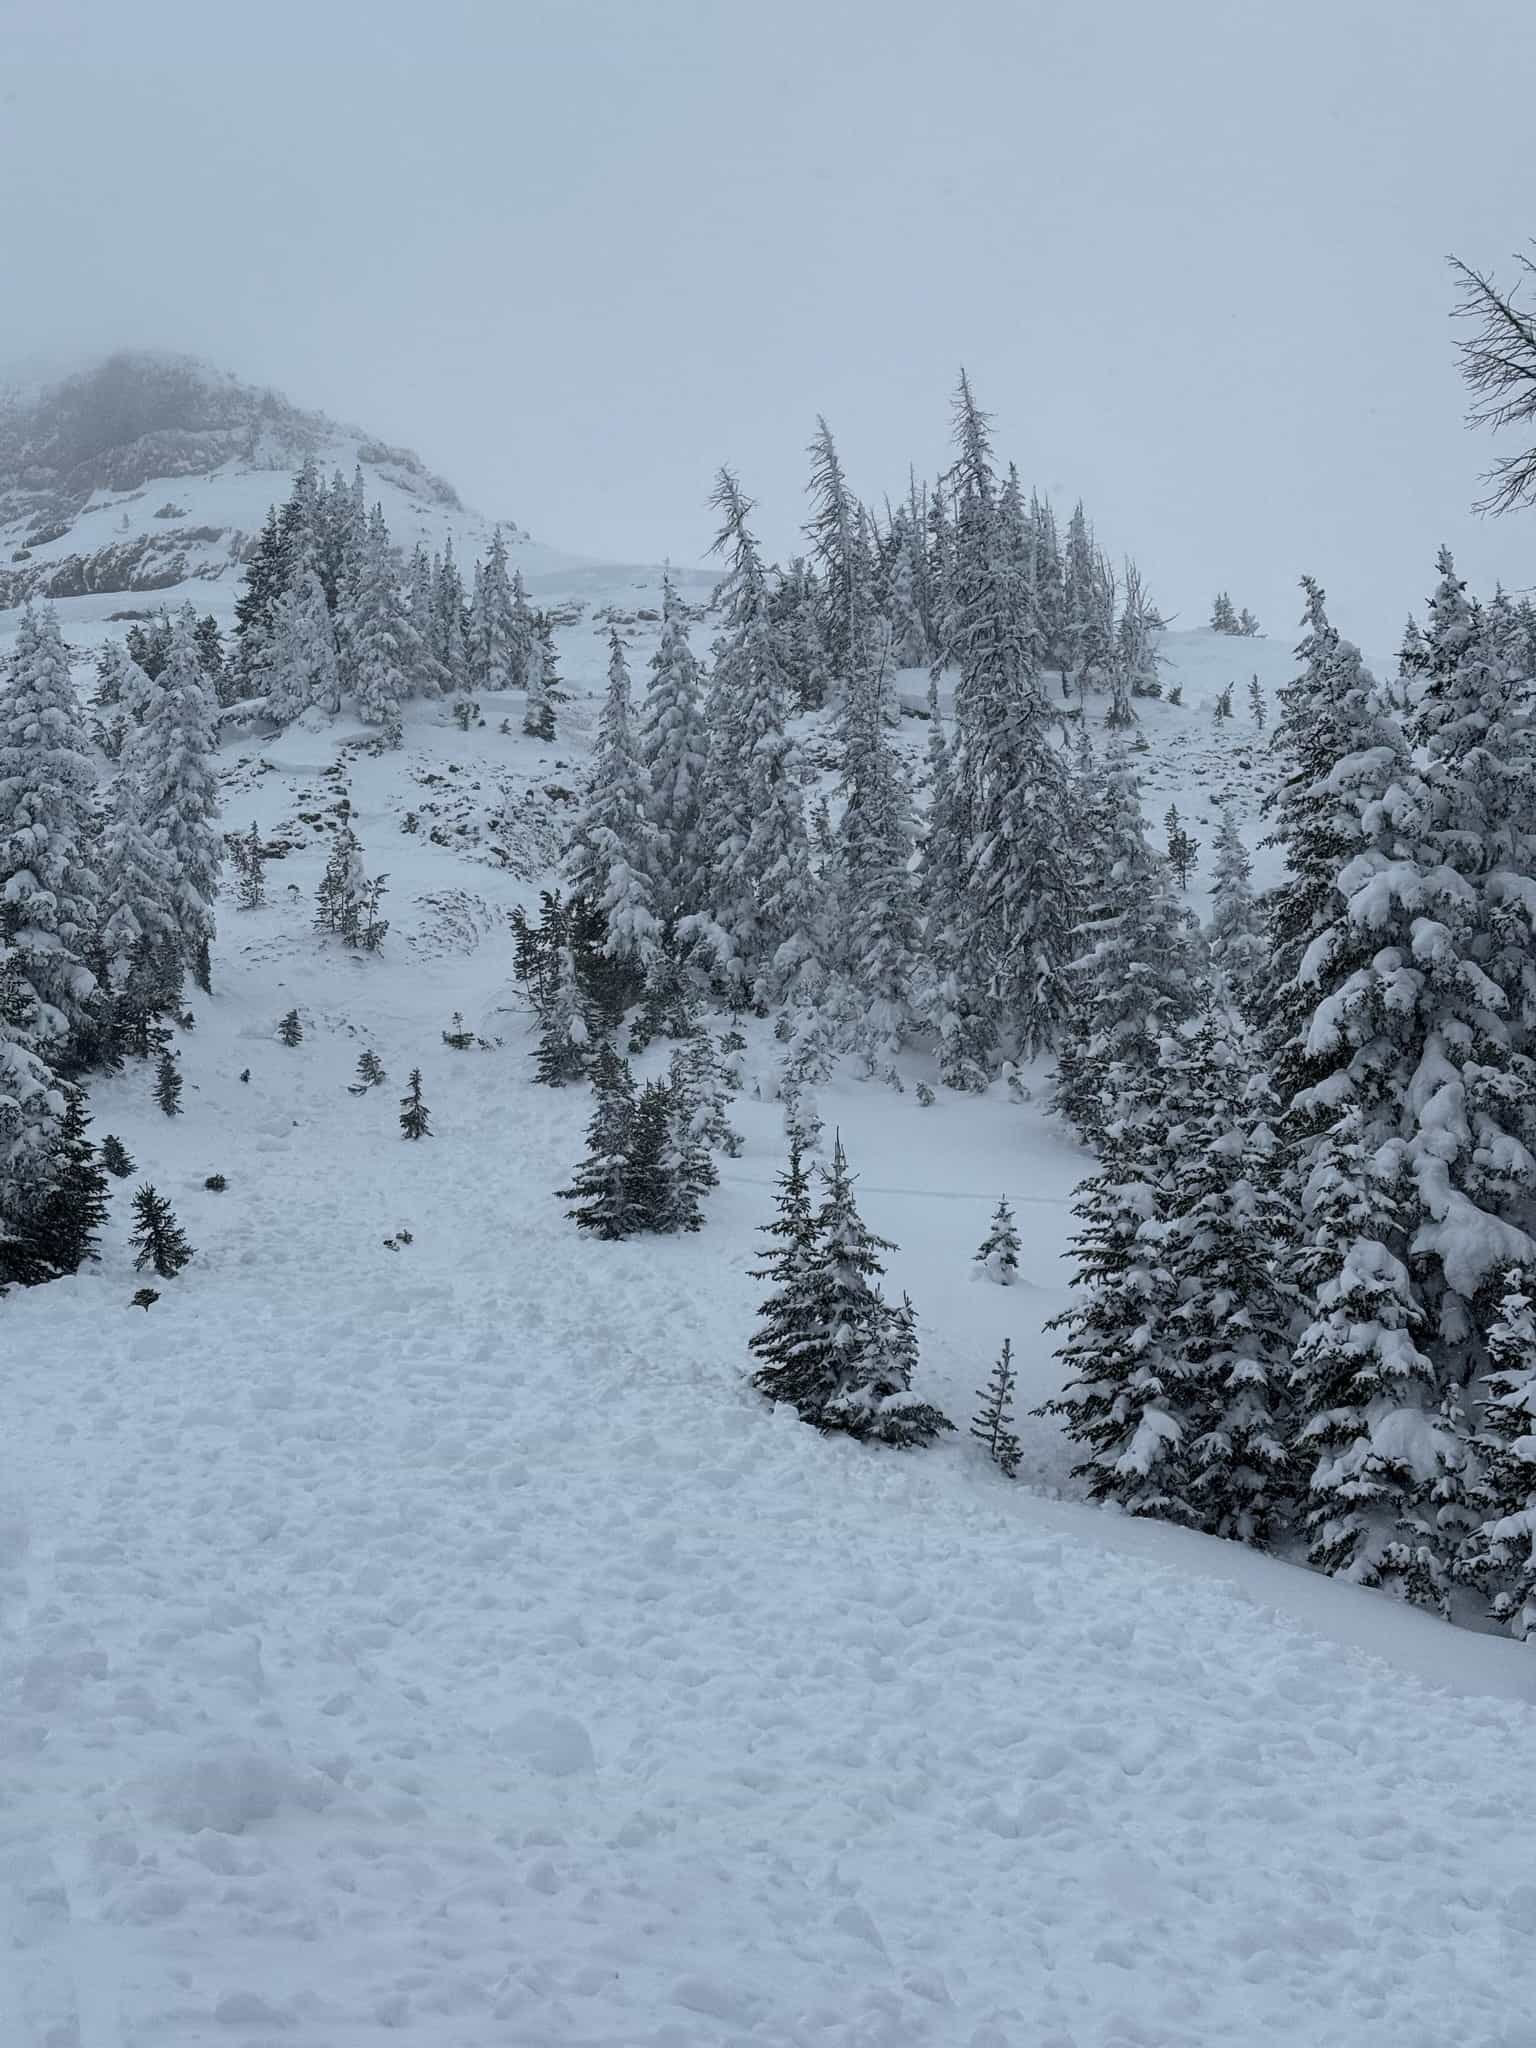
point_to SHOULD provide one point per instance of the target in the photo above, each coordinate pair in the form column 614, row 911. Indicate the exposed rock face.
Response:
column 149, row 561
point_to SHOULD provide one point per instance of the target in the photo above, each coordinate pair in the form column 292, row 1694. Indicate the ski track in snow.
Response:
column 443, row 1645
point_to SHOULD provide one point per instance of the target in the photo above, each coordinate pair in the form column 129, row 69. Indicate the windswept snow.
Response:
column 441, row 1643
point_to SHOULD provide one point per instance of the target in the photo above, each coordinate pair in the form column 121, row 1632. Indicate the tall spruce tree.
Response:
column 1408, row 1018
column 610, row 859
column 1371, row 1442
column 1012, row 904
column 602, row 1194
column 760, row 930
column 448, row 621
column 173, row 760
column 494, row 627
column 59, row 1229
column 1135, row 975
column 673, row 748
column 50, row 891
column 1234, row 937
column 372, row 626
column 296, row 664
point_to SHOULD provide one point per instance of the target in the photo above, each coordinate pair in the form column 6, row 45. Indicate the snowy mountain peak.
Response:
column 150, row 470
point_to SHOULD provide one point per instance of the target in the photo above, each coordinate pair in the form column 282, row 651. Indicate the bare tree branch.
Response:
column 1498, row 365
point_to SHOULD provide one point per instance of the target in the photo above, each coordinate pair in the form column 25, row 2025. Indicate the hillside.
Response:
column 145, row 480
column 436, row 1640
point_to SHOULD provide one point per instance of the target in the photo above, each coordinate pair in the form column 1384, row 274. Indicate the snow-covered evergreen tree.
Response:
column 140, row 942
column 564, row 1050
column 1011, row 908
column 847, row 1366
column 172, row 759
column 1234, row 939
column 1135, row 975
column 341, row 899
column 998, row 1257
column 783, row 1342
column 1373, row 1444
column 1315, row 826
column 993, row 1423
column 543, row 682
column 50, row 891
column 1151, row 1388
column 62, row 1229
column 1500, row 1557
column 760, row 929
column 428, row 676
column 877, row 901
column 611, row 857
column 673, row 747
column 1408, row 1000
column 495, row 632
column 297, row 660
column 448, row 616
column 373, row 627
column 1183, row 847
column 1223, row 617
column 602, row 1193
column 1223, row 1229
column 839, row 552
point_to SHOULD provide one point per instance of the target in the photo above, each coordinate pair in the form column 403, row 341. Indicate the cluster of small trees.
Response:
column 828, row 1342
column 329, row 614
column 695, row 858
column 1225, row 620
column 1308, row 1256
column 61, row 1228
column 347, row 900
column 648, row 1163
column 106, row 897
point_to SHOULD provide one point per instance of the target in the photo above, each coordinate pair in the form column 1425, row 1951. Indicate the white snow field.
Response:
column 442, row 1644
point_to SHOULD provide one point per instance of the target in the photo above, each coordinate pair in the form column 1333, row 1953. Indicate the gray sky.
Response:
column 579, row 252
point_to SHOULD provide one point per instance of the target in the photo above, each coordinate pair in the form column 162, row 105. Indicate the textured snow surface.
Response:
column 442, row 1645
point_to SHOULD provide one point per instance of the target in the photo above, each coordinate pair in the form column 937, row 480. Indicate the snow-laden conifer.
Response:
column 1500, row 1556
column 372, row 626
column 50, row 890
column 1234, row 937
column 998, row 1257
column 760, row 928
column 173, row 761
column 673, row 748
column 297, row 661
column 1135, row 975
column 611, row 859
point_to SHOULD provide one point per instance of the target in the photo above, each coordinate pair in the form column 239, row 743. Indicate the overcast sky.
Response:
column 580, row 252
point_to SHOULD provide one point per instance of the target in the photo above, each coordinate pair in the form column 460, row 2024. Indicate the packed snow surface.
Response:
column 437, row 1641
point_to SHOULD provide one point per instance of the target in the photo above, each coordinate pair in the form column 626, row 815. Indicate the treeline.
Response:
column 1308, row 1258
column 330, row 614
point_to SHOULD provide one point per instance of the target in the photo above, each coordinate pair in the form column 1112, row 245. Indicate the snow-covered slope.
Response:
column 436, row 1640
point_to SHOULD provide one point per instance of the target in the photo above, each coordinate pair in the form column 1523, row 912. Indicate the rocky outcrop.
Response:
column 149, row 561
